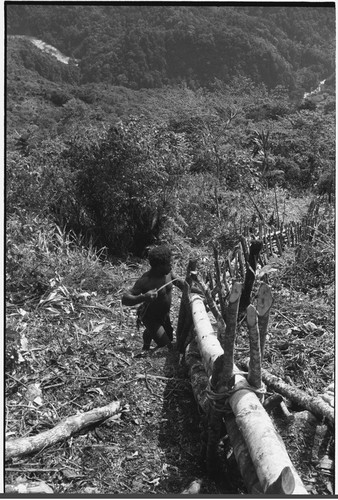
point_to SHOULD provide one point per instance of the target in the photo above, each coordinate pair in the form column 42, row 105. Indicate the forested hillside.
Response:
column 153, row 46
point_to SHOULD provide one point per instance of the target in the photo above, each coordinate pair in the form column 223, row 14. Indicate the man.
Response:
column 153, row 290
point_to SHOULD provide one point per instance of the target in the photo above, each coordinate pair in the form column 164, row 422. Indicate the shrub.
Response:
column 124, row 180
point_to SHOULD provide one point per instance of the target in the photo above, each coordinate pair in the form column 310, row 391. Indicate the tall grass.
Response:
column 38, row 251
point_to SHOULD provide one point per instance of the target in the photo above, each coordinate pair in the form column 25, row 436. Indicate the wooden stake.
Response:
column 255, row 248
column 221, row 294
column 241, row 261
column 254, row 375
column 228, row 342
column 264, row 303
column 184, row 316
column 245, row 248
column 184, row 319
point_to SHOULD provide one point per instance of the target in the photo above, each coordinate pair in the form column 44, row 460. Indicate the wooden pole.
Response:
column 184, row 322
column 255, row 248
column 254, row 374
column 221, row 293
column 184, row 319
column 228, row 341
column 264, row 303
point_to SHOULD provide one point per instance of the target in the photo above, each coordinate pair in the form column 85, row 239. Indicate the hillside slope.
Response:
column 151, row 46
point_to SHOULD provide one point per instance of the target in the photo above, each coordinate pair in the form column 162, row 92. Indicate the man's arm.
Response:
column 138, row 294
column 130, row 299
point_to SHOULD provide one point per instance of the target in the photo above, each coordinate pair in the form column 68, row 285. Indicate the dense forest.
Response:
column 154, row 46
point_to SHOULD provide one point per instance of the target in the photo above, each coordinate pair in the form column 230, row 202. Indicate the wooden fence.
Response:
column 226, row 394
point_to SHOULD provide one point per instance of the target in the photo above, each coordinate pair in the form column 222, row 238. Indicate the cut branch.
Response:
column 63, row 430
column 254, row 375
column 264, row 303
column 315, row 405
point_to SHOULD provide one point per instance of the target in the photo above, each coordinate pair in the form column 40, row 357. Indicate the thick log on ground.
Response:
column 198, row 378
column 63, row 430
column 315, row 405
column 208, row 343
column 199, row 383
column 266, row 449
column 242, row 456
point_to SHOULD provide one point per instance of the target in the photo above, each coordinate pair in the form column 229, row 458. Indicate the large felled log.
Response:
column 198, row 378
column 266, row 449
column 199, row 383
column 208, row 343
column 63, row 430
column 212, row 356
column 242, row 456
column 315, row 405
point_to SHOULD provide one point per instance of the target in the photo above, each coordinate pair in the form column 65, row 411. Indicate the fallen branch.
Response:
column 63, row 430
column 315, row 405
